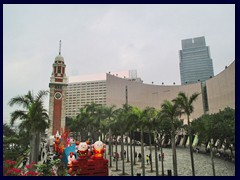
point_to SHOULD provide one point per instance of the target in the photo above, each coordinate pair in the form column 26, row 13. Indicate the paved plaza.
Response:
column 202, row 163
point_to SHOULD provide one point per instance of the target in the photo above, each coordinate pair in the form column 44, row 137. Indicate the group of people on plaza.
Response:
column 148, row 158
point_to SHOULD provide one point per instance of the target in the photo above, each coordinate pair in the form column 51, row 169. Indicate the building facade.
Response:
column 215, row 93
column 57, row 99
column 80, row 94
column 83, row 90
column 144, row 95
column 221, row 90
column 195, row 61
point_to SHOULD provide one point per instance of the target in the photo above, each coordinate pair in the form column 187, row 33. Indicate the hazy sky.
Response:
column 103, row 38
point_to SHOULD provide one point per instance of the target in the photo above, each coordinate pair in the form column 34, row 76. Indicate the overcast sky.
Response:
column 103, row 38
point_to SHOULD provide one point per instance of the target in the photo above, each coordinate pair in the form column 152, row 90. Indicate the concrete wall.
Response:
column 143, row 95
column 221, row 90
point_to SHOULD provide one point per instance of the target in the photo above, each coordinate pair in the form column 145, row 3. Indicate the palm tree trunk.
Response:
column 105, row 142
column 190, row 147
column 122, row 155
column 211, row 153
column 127, row 149
column 150, row 142
column 100, row 135
column 134, row 149
column 156, row 160
column 191, row 154
column 161, row 155
column 142, row 152
column 110, row 147
column 38, row 140
column 131, row 154
column 32, row 145
column 34, row 148
column 174, row 154
column 116, row 159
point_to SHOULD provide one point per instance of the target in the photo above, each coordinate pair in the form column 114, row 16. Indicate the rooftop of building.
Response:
column 96, row 77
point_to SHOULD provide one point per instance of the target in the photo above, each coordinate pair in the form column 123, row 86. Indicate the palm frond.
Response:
column 19, row 100
column 18, row 114
column 41, row 95
column 193, row 97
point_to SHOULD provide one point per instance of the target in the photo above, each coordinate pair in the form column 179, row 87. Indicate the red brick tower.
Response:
column 57, row 99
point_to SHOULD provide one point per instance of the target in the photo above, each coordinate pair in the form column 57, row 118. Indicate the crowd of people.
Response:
column 148, row 158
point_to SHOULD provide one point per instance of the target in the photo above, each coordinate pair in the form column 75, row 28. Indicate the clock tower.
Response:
column 57, row 99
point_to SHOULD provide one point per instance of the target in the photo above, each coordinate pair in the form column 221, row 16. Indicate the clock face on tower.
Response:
column 58, row 95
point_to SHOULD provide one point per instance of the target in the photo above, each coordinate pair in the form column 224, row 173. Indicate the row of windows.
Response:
column 85, row 95
column 196, row 49
column 88, row 91
column 85, row 98
column 74, row 96
column 74, row 107
column 85, row 88
column 193, row 69
column 196, row 59
column 72, row 85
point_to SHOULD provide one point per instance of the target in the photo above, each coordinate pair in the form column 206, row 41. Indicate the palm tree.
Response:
column 186, row 104
column 89, row 119
column 122, row 117
column 133, row 126
column 82, row 122
column 150, row 125
column 170, row 111
column 218, row 126
column 95, row 115
column 141, row 116
column 34, row 118
column 109, row 113
column 132, row 123
column 156, row 124
column 115, row 133
column 163, row 129
column 207, row 129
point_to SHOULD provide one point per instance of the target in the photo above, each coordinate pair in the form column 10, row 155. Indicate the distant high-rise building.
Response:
column 83, row 90
column 195, row 61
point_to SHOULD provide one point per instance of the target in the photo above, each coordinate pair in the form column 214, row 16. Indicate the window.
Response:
column 59, row 69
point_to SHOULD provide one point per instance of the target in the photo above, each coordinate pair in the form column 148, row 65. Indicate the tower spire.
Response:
column 60, row 47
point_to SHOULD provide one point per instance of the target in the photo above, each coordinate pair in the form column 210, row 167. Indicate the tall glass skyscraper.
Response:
column 195, row 61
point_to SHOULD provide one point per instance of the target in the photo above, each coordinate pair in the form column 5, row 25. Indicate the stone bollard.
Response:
column 169, row 172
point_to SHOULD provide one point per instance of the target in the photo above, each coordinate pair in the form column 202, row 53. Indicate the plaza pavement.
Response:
column 203, row 166
column 202, row 163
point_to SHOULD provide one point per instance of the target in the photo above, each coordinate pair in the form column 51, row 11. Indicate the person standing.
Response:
column 135, row 155
column 147, row 158
column 25, row 161
column 159, row 157
column 163, row 156
column 139, row 157
column 150, row 158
